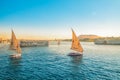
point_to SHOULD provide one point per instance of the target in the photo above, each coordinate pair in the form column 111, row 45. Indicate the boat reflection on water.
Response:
column 76, row 59
column 76, row 68
column 15, row 61
column 14, row 64
column 76, row 63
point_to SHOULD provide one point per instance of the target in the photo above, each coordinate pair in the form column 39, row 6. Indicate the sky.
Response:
column 53, row 19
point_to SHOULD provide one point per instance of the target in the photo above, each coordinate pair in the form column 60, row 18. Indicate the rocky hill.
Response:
column 89, row 38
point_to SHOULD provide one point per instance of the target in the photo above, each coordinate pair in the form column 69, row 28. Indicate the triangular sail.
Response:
column 15, row 43
column 75, row 43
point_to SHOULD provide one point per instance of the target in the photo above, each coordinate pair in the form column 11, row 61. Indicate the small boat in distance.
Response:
column 76, row 46
column 15, row 46
column 58, row 42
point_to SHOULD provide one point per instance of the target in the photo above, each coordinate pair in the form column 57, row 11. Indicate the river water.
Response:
column 99, row 62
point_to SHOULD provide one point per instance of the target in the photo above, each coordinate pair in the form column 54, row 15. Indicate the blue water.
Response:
column 99, row 62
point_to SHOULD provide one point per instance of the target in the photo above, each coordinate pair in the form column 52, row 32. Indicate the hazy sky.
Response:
column 54, row 18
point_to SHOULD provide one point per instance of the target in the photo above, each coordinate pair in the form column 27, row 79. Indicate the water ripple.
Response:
column 52, row 63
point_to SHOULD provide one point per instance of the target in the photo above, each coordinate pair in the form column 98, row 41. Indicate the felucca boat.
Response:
column 15, row 46
column 76, row 46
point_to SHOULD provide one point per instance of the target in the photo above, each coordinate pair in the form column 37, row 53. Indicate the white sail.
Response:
column 75, row 43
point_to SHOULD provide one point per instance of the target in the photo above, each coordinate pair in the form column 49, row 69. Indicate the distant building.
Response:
column 108, row 41
column 32, row 43
column 4, row 39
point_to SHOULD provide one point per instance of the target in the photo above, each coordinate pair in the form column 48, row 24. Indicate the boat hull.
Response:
column 15, row 56
column 75, row 54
